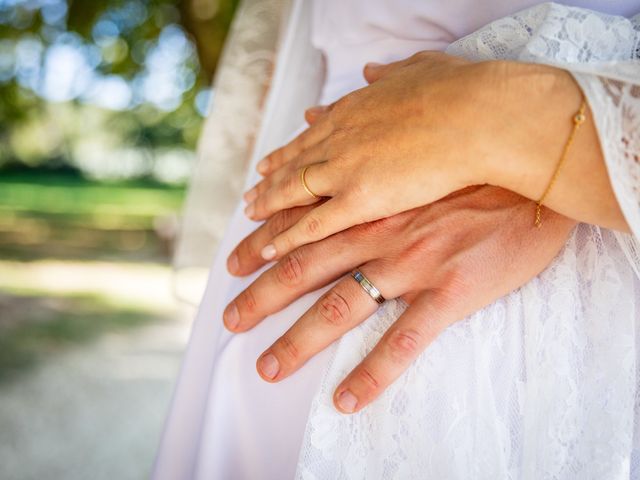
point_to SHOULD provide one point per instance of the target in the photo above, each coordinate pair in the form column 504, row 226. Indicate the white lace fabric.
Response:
column 225, row 147
column 542, row 384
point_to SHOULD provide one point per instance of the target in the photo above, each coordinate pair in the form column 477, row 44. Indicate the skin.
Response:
column 473, row 247
column 431, row 125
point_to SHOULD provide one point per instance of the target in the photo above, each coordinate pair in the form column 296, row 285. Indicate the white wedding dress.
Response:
column 544, row 383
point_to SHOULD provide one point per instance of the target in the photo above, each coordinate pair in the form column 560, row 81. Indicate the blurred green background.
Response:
column 101, row 104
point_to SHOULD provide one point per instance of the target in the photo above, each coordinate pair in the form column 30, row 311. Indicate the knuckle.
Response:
column 336, row 141
column 334, row 309
column 404, row 344
column 312, row 226
column 453, row 285
column 368, row 378
column 288, row 186
column 247, row 301
column 359, row 190
column 359, row 193
column 340, row 134
column 296, row 164
column 263, row 186
column 418, row 249
column 304, row 158
column 339, row 158
column 289, row 348
column 261, row 205
column 290, row 270
column 298, row 144
column 276, row 158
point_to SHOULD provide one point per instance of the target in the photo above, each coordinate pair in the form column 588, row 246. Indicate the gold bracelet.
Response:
column 578, row 119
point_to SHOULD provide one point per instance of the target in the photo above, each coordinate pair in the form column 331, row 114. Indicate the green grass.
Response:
column 35, row 325
column 69, row 196
column 66, row 216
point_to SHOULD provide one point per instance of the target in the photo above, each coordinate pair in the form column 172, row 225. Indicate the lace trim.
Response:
column 562, row 405
column 225, row 147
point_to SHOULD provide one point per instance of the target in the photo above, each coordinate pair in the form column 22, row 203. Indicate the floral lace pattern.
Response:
column 226, row 140
column 543, row 384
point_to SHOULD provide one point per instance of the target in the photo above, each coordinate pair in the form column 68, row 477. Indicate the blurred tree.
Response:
column 78, row 77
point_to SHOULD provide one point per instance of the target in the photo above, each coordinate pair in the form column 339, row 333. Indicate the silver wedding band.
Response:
column 367, row 286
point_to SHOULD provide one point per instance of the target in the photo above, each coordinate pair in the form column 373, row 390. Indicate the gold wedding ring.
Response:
column 303, row 172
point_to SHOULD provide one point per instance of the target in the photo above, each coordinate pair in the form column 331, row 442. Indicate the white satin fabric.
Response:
column 541, row 384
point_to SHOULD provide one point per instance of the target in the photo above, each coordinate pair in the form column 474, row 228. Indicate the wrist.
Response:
column 534, row 106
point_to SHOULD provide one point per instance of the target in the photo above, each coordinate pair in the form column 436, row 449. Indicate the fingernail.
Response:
column 263, row 165
column 231, row 316
column 250, row 210
column 251, row 195
column 269, row 365
column 373, row 65
column 347, row 401
column 268, row 252
column 233, row 264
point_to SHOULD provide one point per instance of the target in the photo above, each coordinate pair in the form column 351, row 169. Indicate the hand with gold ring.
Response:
column 428, row 126
column 447, row 260
column 303, row 181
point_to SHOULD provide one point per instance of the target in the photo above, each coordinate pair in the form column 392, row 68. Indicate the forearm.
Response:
column 538, row 104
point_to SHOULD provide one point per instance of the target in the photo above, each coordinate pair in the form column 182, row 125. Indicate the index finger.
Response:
column 245, row 258
column 335, row 215
column 299, row 272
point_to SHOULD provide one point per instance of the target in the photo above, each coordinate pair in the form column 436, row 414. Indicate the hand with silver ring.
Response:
column 367, row 286
column 447, row 260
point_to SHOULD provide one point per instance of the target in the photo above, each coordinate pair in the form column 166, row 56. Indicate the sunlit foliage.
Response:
column 113, row 89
